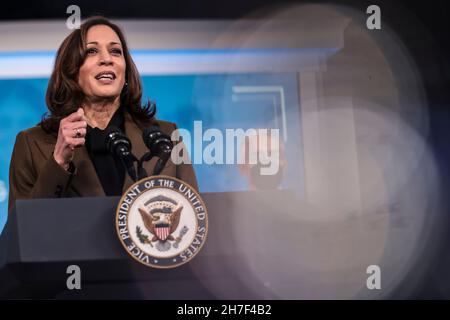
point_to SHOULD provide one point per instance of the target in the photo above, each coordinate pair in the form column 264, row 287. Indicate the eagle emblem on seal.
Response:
column 161, row 218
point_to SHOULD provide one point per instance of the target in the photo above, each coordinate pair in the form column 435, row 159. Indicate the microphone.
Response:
column 120, row 146
column 159, row 145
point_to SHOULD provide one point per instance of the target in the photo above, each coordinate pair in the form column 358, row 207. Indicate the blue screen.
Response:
column 221, row 101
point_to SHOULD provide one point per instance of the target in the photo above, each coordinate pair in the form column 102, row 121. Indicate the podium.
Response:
column 43, row 237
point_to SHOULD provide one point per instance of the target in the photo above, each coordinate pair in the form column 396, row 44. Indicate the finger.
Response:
column 83, row 115
column 76, row 116
column 75, row 124
column 75, row 142
column 81, row 132
column 68, row 133
column 67, row 146
column 75, row 133
column 81, row 111
column 70, row 129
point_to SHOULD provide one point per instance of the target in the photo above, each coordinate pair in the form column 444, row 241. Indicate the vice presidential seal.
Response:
column 162, row 222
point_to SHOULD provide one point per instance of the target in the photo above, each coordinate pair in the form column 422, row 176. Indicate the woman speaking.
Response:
column 94, row 87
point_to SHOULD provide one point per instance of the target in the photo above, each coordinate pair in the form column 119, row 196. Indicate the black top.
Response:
column 110, row 170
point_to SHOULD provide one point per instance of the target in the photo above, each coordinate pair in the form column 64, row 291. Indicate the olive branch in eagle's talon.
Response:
column 142, row 237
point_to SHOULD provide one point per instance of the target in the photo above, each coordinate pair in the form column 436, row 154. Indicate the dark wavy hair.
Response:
column 64, row 96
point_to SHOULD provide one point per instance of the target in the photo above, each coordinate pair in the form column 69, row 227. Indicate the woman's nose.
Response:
column 105, row 59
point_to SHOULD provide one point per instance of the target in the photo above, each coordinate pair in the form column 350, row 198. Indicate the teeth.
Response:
column 105, row 76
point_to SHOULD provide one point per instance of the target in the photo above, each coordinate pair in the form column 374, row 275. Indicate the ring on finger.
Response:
column 77, row 133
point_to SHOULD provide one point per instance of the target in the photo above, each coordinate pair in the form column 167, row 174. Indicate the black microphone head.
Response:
column 119, row 146
column 116, row 142
column 150, row 134
column 157, row 142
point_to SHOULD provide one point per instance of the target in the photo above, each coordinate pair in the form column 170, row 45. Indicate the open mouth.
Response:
column 106, row 76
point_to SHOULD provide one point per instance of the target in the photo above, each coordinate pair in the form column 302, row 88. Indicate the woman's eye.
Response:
column 116, row 51
column 91, row 51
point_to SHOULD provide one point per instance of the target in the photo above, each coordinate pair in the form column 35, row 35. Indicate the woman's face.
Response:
column 102, row 74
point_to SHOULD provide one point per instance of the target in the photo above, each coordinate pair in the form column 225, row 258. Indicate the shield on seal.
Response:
column 162, row 231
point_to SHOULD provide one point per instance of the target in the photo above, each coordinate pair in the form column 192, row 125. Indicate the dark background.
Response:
column 423, row 26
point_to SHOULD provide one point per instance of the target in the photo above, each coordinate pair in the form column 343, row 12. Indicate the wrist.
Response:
column 61, row 163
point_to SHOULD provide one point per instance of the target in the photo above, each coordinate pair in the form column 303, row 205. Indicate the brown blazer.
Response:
column 34, row 172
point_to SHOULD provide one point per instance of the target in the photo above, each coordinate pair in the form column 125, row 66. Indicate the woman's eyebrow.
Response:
column 111, row 43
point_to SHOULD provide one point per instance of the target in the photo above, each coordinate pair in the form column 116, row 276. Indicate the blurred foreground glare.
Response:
column 371, row 184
